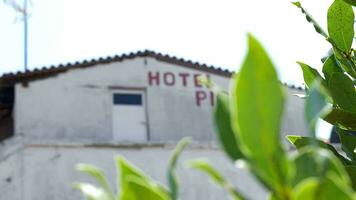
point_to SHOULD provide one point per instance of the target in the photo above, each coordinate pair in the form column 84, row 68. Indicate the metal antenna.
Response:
column 25, row 35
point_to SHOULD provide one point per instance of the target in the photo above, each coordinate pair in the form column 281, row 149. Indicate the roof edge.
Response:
column 9, row 79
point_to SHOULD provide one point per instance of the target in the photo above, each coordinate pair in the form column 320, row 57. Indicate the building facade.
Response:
column 137, row 105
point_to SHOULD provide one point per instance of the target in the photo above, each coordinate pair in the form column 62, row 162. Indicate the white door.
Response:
column 129, row 116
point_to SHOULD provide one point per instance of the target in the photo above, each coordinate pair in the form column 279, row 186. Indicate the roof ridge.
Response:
column 44, row 72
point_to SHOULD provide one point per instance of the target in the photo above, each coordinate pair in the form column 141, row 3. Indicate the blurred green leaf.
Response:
column 144, row 190
column 310, row 75
column 341, row 25
column 127, row 169
column 301, row 142
column 130, row 175
column 172, row 177
column 330, row 66
column 351, row 171
column 306, row 189
column 351, row 2
column 311, row 20
column 313, row 162
column 272, row 197
column 348, row 144
column 257, row 108
column 321, row 189
column 316, row 106
column 341, row 118
column 204, row 166
column 343, row 91
column 222, row 118
column 98, row 175
column 91, row 192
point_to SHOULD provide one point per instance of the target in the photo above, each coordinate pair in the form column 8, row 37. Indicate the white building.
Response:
column 137, row 105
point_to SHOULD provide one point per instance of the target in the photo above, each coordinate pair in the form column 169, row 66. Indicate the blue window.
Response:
column 127, row 99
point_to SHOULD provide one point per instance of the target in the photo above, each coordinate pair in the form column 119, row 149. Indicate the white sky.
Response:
column 208, row 31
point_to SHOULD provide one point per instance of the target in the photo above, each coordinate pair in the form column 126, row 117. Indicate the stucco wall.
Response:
column 77, row 105
column 11, row 163
column 74, row 105
column 58, row 116
column 293, row 119
column 48, row 171
column 173, row 110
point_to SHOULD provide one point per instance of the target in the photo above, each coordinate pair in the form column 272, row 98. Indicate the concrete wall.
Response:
column 77, row 105
column 293, row 119
column 48, row 171
column 67, row 119
column 11, row 163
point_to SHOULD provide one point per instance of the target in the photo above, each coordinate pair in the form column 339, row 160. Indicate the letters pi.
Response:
column 184, row 80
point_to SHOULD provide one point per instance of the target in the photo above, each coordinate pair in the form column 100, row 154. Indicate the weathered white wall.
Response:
column 42, row 171
column 11, row 169
column 56, row 117
column 77, row 105
column 173, row 110
column 74, row 105
column 48, row 171
column 293, row 121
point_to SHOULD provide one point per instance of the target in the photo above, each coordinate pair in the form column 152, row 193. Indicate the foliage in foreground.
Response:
column 248, row 125
column 133, row 184
column 248, row 121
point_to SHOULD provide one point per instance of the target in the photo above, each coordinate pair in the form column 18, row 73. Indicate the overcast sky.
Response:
column 208, row 31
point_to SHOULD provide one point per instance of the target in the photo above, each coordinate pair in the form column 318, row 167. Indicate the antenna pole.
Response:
column 25, row 35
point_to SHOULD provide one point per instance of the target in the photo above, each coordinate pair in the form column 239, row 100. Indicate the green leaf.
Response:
column 343, row 91
column 319, row 163
column 204, row 166
column 91, row 192
column 341, row 25
column 145, row 190
column 98, row 175
column 127, row 169
column 222, row 118
column 351, row 171
column 351, row 2
column 310, row 74
column 321, row 189
column 311, row 20
column 129, row 174
column 344, row 61
column 172, row 177
column 257, row 109
column 330, row 66
column 301, row 142
column 306, row 189
column 341, row 31
column 348, row 144
column 272, row 196
column 316, row 106
column 342, row 119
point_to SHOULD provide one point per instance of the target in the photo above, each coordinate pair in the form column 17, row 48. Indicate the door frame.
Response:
column 122, row 89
